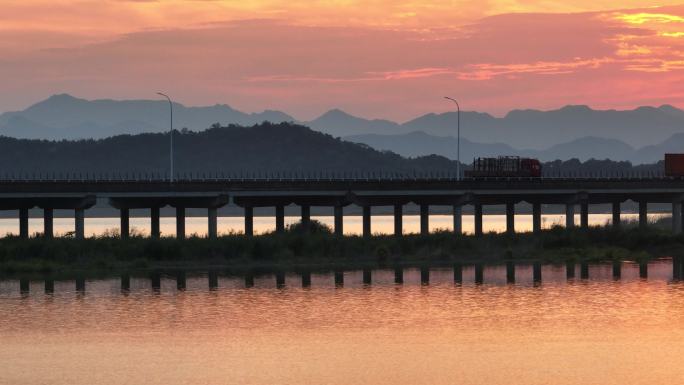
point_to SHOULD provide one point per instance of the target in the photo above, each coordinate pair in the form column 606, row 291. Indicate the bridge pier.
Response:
column 280, row 218
column 643, row 214
column 398, row 220
column 212, row 222
column 124, row 215
column 536, row 217
column 510, row 218
column 616, row 214
column 584, row 214
column 154, row 222
column 366, row 219
column 458, row 219
column 249, row 220
column 570, row 270
column 677, row 217
column 306, row 279
column 79, row 223
column 180, row 222
column 569, row 215
column 424, row 219
column 24, row 222
column 478, row 219
column 48, row 225
column 339, row 220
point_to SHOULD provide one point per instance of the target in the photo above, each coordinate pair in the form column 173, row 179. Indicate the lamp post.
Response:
column 170, row 134
column 458, row 138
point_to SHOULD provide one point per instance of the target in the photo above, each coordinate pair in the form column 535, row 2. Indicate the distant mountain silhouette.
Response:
column 569, row 132
column 531, row 129
column 421, row 144
column 267, row 149
column 66, row 117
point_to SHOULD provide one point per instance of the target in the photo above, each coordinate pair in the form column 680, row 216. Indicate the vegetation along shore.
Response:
column 318, row 248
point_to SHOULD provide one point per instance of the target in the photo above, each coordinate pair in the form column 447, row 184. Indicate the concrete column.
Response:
column 584, row 214
column 212, row 222
column 677, row 217
column 48, row 226
column 306, row 216
column 570, row 215
column 478, row 219
column 180, row 222
column 424, row 219
column 398, row 220
column 536, row 217
column 280, row 218
column 249, row 221
column 366, row 221
column 79, row 223
column 339, row 220
column 510, row 218
column 154, row 222
column 125, row 223
column 249, row 280
column 616, row 214
column 643, row 214
column 24, row 223
column 458, row 219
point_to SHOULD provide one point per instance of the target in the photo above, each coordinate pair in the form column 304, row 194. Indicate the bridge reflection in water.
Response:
column 511, row 273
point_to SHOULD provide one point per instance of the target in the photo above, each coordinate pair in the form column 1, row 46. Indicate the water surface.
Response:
column 596, row 331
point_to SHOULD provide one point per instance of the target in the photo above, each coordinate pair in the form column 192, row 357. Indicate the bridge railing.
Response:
column 320, row 176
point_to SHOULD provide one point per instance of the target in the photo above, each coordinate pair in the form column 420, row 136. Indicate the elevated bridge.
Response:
column 212, row 193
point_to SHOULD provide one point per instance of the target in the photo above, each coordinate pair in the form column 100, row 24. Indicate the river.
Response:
column 579, row 331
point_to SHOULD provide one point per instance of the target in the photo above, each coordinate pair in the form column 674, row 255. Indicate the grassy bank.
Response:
column 318, row 248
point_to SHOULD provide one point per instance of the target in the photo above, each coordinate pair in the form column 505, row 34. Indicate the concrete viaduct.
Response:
column 210, row 194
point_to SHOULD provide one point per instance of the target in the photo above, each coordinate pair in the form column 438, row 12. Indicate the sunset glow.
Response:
column 305, row 57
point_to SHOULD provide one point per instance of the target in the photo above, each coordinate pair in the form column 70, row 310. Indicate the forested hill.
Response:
column 265, row 149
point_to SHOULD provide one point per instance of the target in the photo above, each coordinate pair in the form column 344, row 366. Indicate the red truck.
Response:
column 674, row 164
column 505, row 166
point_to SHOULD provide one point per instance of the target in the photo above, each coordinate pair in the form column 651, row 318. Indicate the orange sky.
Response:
column 391, row 59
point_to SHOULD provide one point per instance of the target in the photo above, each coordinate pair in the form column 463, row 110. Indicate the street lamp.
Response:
column 458, row 139
column 170, row 134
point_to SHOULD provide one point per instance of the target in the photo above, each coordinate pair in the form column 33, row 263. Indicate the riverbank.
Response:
column 319, row 249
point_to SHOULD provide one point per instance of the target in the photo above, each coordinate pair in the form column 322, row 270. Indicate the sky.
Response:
column 392, row 59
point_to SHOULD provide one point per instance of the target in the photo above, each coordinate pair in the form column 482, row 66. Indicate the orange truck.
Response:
column 674, row 164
